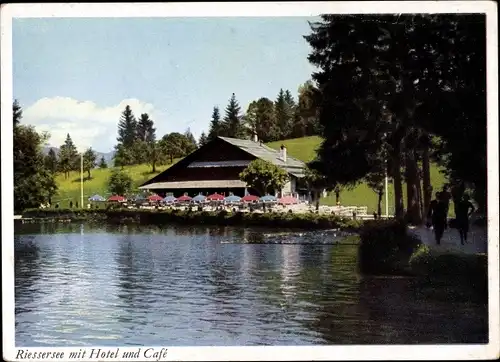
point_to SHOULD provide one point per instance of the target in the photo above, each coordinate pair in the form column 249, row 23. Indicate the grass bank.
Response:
column 386, row 248
column 220, row 218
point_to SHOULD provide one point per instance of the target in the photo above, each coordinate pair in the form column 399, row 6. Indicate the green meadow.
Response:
column 69, row 188
column 304, row 149
column 301, row 148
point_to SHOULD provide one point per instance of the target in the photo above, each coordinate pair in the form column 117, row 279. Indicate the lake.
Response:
column 81, row 285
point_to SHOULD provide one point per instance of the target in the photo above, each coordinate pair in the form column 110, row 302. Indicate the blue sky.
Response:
column 77, row 74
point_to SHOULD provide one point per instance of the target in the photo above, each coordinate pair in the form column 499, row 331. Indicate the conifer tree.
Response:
column 145, row 129
column 232, row 120
column 190, row 142
column 50, row 161
column 127, row 128
column 216, row 126
column 284, row 113
column 68, row 157
column 203, row 140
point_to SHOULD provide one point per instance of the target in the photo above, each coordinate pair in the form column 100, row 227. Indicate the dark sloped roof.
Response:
column 256, row 149
column 259, row 150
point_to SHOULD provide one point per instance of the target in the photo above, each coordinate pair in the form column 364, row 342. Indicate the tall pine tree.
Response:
column 127, row 128
column 216, row 126
column 232, row 119
column 50, row 161
column 68, row 157
column 203, row 140
column 283, row 110
column 17, row 112
column 190, row 141
column 145, row 129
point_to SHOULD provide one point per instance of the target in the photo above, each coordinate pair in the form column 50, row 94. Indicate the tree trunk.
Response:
column 154, row 167
column 397, row 180
column 88, row 172
column 426, row 176
column 412, row 205
column 379, row 205
column 337, row 196
column 420, row 198
column 318, row 196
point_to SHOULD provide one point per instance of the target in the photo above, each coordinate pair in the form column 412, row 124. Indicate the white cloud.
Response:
column 88, row 123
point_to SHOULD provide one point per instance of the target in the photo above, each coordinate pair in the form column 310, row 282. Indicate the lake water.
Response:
column 77, row 285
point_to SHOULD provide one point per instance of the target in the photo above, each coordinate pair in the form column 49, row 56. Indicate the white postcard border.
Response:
column 357, row 352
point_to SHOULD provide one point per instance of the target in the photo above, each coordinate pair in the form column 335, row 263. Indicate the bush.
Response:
column 385, row 247
column 219, row 217
column 421, row 259
column 432, row 263
column 467, row 274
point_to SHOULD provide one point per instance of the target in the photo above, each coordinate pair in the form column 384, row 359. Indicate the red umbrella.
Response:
column 288, row 200
column 184, row 198
column 155, row 198
column 117, row 198
column 249, row 198
column 215, row 197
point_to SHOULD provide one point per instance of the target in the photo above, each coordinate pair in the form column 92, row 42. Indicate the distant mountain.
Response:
column 108, row 157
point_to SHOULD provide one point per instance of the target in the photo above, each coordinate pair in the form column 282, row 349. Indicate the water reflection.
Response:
column 136, row 285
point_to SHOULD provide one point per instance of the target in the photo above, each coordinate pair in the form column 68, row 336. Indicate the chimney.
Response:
column 255, row 138
column 283, row 153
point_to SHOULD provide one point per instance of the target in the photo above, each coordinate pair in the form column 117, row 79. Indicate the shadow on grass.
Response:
column 85, row 179
column 150, row 172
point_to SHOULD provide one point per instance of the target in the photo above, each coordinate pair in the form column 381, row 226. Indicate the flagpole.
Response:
column 386, row 184
column 386, row 196
column 81, row 180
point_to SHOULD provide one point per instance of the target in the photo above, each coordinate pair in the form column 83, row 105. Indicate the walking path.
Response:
column 477, row 239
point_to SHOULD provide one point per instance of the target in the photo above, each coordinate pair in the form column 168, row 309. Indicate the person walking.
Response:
column 446, row 197
column 464, row 210
column 437, row 215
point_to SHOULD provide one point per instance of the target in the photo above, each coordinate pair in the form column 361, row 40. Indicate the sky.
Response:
column 76, row 75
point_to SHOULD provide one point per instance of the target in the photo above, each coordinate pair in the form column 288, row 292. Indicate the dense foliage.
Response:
column 388, row 87
column 119, row 183
column 34, row 182
column 264, row 176
column 269, row 120
column 223, row 218
column 89, row 161
column 137, row 142
column 385, row 247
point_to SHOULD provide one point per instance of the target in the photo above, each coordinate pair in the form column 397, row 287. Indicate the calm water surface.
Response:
column 178, row 286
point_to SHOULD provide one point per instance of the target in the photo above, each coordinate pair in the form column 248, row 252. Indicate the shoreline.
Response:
column 171, row 216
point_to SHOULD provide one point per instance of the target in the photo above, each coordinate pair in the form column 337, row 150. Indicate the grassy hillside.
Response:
column 305, row 149
column 69, row 188
column 301, row 148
